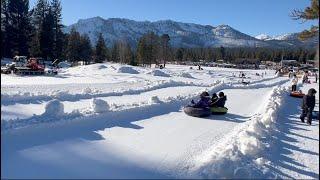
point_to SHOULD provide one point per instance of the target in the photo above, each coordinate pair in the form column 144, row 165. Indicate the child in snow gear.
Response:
column 294, row 83
column 214, row 97
column 308, row 104
column 221, row 101
column 203, row 102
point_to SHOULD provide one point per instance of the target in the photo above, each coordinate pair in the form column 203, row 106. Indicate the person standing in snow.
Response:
column 305, row 77
column 294, row 83
column 308, row 103
column 316, row 75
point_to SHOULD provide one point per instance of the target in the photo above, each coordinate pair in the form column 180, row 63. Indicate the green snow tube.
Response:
column 219, row 110
column 197, row 112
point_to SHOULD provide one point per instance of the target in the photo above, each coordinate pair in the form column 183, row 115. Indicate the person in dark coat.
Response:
column 214, row 97
column 308, row 103
column 203, row 102
column 220, row 102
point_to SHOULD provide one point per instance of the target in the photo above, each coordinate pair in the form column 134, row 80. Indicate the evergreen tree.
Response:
column 16, row 27
column 85, row 49
column 142, row 51
column 179, row 54
column 309, row 13
column 73, row 47
column 222, row 52
column 4, row 24
column 101, row 52
column 115, row 57
column 125, row 53
column 47, row 36
column 165, row 48
column 58, row 37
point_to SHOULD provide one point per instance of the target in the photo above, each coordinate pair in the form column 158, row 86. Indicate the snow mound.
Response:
column 127, row 69
column 87, row 90
column 158, row 72
column 99, row 66
column 186, row 75
column 54, row 108
column 154, row 100
column 99, row 106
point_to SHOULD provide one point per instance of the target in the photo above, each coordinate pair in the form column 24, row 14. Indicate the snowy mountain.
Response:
column 181, row 34
column 289, row 40
column 263, row 37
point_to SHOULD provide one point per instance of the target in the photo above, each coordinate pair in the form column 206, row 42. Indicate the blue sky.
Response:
column 252, row 17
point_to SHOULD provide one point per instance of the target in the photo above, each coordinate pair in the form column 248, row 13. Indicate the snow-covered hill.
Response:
column 181, row 34
column 115, row 121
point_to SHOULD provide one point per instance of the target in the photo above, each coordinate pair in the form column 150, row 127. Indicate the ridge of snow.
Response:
column 178, row 100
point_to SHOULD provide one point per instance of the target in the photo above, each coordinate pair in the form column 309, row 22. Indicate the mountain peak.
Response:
column 263, row 37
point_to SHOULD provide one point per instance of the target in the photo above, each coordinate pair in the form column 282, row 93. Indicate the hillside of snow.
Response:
column 111, row 120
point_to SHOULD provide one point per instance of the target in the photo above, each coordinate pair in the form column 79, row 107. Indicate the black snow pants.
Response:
column 306, row 112
column 294, row 87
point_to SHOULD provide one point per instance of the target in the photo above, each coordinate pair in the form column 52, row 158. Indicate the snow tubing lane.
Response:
column 197, row 112
column 219, row 110
column 296, row 94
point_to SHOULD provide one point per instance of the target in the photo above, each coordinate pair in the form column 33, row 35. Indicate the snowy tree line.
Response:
column 38, row 32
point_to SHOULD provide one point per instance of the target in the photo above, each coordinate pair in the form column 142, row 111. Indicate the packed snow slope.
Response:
column 117, row 121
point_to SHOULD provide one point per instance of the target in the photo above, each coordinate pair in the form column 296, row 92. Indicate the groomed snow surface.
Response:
column 117, row 121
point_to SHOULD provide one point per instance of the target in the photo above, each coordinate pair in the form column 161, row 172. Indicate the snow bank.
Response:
column 154, row 100
column 99, row 106
column 54, row 112
column 158, row 72
column 88, row 93
column 127, row 69
column 185, row 75
column 54, row 108
column 241, row 158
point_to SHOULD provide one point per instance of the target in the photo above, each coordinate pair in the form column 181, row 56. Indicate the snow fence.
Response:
column 241, row 156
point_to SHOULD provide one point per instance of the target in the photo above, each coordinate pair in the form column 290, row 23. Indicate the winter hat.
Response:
column 221, row 94
column 204, row 93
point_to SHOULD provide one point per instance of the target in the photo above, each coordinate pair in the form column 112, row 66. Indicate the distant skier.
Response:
column 294, row 83
column 308, row 103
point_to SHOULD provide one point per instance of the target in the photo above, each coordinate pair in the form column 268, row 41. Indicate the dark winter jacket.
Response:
column 203, row 102
column 220, row 102
column 309, row 100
